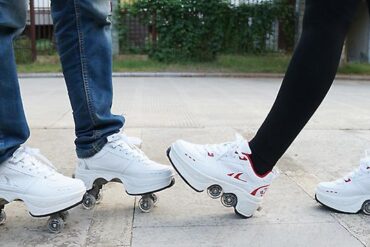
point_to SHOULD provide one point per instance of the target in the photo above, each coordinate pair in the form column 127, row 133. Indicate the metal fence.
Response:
column 132, row 35
column 37, row 38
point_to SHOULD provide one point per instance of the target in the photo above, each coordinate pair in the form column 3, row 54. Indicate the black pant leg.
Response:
column 310, row 75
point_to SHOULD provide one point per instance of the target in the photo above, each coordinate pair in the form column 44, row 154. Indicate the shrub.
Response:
column 22, row 49
column 198, row 30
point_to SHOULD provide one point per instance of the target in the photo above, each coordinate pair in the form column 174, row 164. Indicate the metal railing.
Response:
column 37, row 38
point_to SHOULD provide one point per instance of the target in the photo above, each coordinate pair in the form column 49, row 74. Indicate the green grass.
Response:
column 272, row 63
column 140, row 63
column 225, row 63
column 355, row 69
column 44, row 64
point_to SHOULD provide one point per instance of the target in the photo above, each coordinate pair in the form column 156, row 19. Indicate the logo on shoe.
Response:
column 261, row 191
column 236, row 176
column 244, row 157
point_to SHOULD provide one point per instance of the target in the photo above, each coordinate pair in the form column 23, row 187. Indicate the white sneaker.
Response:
column 120, row 161
column 350, row 194
column 30, row 177
column 225, row 170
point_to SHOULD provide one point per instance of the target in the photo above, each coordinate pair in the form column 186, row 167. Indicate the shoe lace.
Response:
column 128, row 145
column 32, row 160
column 228, row 149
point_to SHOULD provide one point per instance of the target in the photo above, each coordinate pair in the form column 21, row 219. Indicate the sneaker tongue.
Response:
column 243, row 145
column 113, row 137
column 365, row 163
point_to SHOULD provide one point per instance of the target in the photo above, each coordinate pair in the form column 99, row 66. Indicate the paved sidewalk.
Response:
column 204, row 110
column 194, row 75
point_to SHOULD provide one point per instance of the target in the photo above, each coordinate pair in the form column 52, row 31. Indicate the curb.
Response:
column 195, row 75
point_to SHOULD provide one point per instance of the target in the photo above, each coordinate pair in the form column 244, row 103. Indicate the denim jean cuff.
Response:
column 4, row 156
column 95, row 148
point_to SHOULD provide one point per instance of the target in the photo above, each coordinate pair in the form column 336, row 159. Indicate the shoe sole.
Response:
column 90, row 178
column 342, row 211
column 60, row 204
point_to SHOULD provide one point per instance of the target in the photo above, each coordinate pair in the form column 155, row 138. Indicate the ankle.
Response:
column 260, row 166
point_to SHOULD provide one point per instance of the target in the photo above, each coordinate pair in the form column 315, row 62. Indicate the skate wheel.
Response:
column 155, row 198
column 55, row 224
column 146, row 203
column 229, row 200
column 2, row 217
column 214, row 191
column 64, row 215
column 89, row 201
column 99, row 198
column 366, row 207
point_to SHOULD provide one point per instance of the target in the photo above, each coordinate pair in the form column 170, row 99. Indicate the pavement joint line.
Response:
column 194, row 75
column 90, row 225
column 60, row 118
column 133, row 222
column 333, row 215
column 339, row 221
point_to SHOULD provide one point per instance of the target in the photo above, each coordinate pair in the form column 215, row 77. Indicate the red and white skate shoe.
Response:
column 224, row 170
column 350, row 194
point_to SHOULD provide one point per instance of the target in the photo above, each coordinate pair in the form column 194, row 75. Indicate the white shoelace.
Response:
column 32, row 160
column 228, row 149
column 128, row 146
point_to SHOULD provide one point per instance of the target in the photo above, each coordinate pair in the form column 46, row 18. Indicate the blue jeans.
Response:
column 83, row 34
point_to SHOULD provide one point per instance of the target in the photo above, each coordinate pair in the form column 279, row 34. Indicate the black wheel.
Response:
column 99, row 198
column 155, row 198
column 366, row 207
column 2, row 217
column 146, row 203
column 229, row 200
column 89, row 201
column 64, row 215
column 214, row 191
column 55, row 224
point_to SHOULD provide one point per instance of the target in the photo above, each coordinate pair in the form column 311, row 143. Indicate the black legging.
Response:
column 310, row 74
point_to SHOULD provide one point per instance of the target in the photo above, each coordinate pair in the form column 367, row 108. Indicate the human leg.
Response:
column 82, row 29
column 83, row 33
column 14, row 130
column 309, row 77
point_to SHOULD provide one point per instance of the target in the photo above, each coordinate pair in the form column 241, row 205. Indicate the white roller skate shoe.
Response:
column 31, row 178
column 224, row 170
column 120, row 161
column 350, row 194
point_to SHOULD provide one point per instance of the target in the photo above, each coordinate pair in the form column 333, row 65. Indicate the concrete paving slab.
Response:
column 45, row 101
column 269, row 235
column 196, row 102
column 111, row 223
column 181, row 206
column 331, row 154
